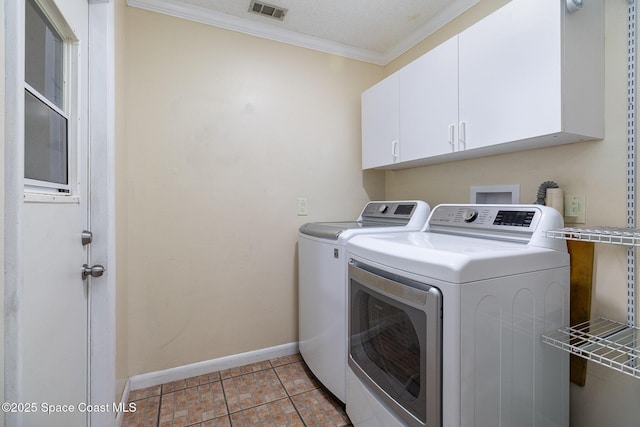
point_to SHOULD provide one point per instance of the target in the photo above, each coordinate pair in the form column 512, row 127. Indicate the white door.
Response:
column 47, row 315
column 55, row 296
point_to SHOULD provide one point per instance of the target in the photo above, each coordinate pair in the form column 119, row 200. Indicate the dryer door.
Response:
column 395, row 342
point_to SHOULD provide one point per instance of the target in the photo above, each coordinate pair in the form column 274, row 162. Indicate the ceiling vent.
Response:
column 269, row 10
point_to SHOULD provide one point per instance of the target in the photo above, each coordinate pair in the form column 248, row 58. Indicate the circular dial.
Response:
column 383, row 208
column 470, row 215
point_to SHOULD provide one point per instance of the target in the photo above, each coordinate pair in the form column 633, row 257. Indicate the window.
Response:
column 46, row 116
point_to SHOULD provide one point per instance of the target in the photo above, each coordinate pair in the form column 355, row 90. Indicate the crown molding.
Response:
column 222, row 20
column 455, row 9
column 258, row 29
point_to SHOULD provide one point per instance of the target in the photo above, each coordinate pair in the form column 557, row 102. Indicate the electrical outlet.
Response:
column 302, row 206
column 574, row 209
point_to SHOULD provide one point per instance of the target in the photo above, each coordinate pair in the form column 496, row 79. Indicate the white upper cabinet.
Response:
column 429, row 103
column 412, row 113
column 520, row 91
column 529, row 75
column 517, row 71
column 380, row 124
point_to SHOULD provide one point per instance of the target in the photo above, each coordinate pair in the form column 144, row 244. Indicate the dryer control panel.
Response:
column 519, row 222
column 485, row 216
column 518, row 218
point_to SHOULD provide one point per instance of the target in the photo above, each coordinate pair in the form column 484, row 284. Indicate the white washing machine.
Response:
column 322, row 285
column 445, row 324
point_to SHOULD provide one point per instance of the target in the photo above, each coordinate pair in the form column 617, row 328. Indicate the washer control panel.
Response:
column 389, row 210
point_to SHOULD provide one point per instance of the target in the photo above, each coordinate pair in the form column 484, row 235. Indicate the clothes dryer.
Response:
column 322, row 284
column 445, row 324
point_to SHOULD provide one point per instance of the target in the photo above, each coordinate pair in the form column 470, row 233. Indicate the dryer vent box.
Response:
column 495, row 194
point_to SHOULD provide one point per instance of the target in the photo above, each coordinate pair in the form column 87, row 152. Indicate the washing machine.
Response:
column 322, row 285
column 445, row 325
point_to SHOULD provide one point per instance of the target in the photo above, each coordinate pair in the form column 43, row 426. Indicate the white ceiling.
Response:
column 375, row 31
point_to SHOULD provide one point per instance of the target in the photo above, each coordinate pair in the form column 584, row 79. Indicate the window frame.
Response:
column 70, row 110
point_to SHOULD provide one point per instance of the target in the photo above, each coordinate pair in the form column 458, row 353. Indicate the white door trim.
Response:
column 102, row 298
column 14, row 190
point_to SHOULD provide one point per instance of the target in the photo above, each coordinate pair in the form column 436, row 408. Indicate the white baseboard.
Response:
column 151, row 379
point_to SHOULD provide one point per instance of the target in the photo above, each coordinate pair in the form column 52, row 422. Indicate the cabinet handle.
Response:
column 462, row 136
column 452, row 142
column 394, row 150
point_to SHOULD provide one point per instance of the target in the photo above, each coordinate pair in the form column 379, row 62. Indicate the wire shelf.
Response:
column 612, row 235
column 606, row 342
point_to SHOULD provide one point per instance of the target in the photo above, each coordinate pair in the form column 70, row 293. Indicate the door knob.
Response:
column 93, row 271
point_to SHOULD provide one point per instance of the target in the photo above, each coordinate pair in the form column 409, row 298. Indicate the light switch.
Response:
column 302, row 206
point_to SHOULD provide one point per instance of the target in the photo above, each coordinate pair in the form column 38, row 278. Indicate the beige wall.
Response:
column 223, row 132
column 595, row 169
column 122, row 318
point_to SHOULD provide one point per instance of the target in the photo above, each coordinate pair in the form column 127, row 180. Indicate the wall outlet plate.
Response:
column 574, row 209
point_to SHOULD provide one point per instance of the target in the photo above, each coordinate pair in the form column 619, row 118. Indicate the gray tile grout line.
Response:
column 289, row 396
column 226, row 403
column 159, row 406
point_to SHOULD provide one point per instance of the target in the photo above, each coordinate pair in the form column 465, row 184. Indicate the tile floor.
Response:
column 276, row 392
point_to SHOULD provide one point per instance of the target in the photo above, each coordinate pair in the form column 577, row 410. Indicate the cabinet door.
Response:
column 380, row 124
column 510, row 76
column 429, row 103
